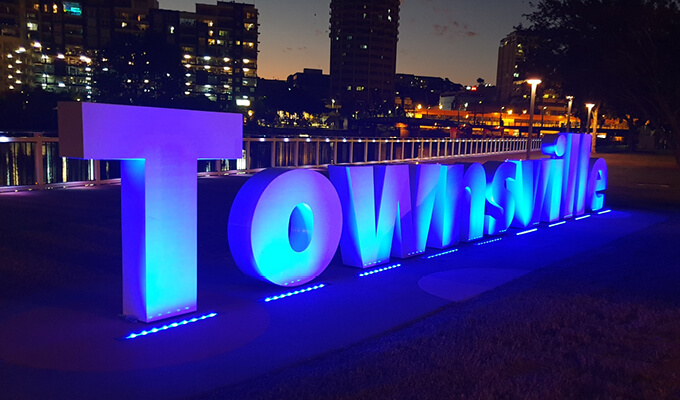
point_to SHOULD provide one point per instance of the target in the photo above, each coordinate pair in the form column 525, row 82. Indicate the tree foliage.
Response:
column 145, row 71
column 30, row 110
column 623, row 54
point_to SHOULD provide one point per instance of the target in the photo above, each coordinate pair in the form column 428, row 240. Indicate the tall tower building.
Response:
column 510, row 56
column 363, row 53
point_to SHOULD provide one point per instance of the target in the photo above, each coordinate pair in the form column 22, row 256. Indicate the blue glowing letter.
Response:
column 373, row 198
column 548, row 190
column 523, row 189
column 285, row 225
column 472, row 202
column 445, row 226
column 500, row 202
column 597, row 181
column 423, row 183
column 158, row 191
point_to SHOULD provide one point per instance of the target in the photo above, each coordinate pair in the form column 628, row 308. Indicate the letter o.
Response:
column 285, row 226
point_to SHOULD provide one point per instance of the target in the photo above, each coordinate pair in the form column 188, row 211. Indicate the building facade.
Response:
column 219, row 47
column 60, row 46
column 364, row 38
column 511, row 55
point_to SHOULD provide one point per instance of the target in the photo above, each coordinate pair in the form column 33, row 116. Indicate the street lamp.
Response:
column 571, row 100
column 589, row 106
column 533, row 83
column 542, row 114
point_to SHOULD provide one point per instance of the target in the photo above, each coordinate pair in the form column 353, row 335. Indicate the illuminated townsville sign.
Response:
column 282, row 226
column 285, row 225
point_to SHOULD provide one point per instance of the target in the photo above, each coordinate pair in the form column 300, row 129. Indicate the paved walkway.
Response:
column 61, row 335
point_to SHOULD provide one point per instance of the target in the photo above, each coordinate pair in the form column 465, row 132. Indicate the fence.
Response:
column 32, row 161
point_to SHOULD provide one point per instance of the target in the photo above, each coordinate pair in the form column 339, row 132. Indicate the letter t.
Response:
column 159, row 148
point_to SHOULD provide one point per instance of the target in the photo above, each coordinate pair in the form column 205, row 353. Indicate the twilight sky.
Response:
column 455, row 39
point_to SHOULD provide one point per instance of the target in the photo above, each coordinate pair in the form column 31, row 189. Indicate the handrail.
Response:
column 24, row 168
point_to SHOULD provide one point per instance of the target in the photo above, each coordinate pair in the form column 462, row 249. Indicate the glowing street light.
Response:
column 589, row 106
column 571, row 100
column 533, row 83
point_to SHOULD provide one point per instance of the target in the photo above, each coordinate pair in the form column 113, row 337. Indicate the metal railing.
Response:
column 32, row 162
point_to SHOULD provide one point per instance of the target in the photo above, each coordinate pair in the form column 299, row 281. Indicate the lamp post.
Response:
column 571, row 100
column 589, row 106
column 533, row 83
column 542, row 115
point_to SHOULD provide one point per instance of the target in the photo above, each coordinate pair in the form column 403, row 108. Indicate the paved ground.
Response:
column 60, row 294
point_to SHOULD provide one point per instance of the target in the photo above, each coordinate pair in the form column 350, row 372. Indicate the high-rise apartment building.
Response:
column 510, row 57
column 219, row 45
column 363, row 37
column 58, row 45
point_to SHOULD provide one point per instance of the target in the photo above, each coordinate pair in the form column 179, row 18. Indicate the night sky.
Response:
column 455, row 39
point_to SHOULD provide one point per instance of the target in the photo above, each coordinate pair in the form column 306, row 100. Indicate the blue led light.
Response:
column 375, row 271
column 442, row 254
column 170, row 326
column 604, row 212
column 582, row 217
column 284, row 295
column 557, row 223
column 489, row 241
column 525, row 232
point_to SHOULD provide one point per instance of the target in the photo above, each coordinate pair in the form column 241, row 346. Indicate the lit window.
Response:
column 72, row 8
column 172, row 30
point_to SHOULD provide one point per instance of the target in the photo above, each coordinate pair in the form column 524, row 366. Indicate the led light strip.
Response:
column 604, row 212
column 375, row 271
column 442, row 254
column 488, row 241
column 284, row 295
column 557, row 223
column 582, row 217
column 170, row 326
column 525, row 232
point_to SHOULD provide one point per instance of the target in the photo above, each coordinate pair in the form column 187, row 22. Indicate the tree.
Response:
column 140, row 71
column 623, row 54
column 31, row 110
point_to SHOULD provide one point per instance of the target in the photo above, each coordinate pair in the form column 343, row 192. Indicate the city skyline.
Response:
column 450, row 39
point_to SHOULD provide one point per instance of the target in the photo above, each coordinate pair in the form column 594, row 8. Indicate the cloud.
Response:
column 440, row 30
column 290, row 49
